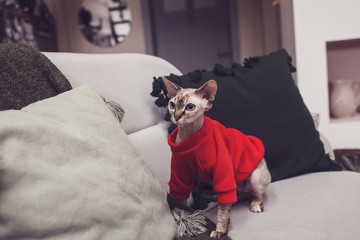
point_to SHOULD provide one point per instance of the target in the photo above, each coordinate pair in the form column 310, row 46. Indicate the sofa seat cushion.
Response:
column 151, row 144
column 312, row 206
column 68, row 171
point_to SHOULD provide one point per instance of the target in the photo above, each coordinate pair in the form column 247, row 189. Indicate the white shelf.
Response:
column 348, row 119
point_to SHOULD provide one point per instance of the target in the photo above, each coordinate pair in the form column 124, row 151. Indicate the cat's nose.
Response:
column 178, row 115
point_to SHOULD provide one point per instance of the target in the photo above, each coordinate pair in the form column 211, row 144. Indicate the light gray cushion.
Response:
column 68, row 171
column 312, row 206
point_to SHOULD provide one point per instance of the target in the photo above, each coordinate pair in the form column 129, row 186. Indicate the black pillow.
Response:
column 261, row 99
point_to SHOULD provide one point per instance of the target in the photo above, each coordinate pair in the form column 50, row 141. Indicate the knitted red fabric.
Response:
column 221, row 156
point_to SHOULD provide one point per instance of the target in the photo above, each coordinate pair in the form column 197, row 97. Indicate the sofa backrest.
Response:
column 125, row 78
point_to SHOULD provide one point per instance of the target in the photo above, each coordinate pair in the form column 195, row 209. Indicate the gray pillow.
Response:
column 68, row 171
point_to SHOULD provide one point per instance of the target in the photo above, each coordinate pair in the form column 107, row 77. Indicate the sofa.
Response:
column 115, row 187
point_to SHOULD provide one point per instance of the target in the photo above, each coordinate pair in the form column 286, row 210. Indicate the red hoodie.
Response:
column 221, row 156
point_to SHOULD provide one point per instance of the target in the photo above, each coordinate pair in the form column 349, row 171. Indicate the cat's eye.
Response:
column 172, row 105
column 190, row 107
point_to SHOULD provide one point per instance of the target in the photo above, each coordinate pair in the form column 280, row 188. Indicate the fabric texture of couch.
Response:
column 318, row 205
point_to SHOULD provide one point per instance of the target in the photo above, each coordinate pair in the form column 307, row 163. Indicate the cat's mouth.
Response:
column 178, row 121
column 178, row 118
column 178, row 115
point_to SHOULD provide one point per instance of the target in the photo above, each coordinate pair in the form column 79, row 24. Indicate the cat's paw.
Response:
column 217, row 234
column 257, row 207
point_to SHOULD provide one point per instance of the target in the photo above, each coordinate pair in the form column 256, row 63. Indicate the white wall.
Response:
column 317, row 22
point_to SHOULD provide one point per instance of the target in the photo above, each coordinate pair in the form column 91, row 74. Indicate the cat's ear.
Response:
column 208, row 90
column 171, row 87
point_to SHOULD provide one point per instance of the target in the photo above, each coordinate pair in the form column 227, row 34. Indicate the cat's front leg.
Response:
column 184, row 202
column 223, row 220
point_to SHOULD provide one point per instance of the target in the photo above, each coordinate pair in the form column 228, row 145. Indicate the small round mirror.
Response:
column 105, row 23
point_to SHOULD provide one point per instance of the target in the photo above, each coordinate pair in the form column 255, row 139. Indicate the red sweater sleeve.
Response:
column 181, row 180
column 224, row 183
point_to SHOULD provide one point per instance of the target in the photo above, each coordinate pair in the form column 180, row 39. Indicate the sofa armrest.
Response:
column 125, row 78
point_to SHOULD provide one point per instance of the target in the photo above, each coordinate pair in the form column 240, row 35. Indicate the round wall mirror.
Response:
column 105, row 23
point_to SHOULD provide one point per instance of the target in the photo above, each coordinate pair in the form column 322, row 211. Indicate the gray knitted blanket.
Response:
column 27, row 76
